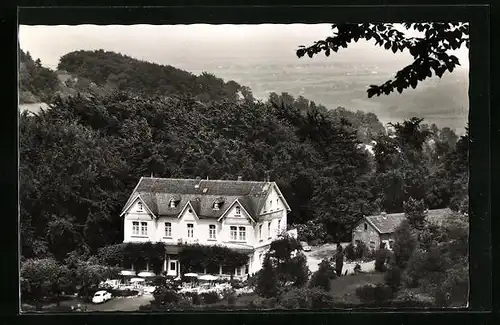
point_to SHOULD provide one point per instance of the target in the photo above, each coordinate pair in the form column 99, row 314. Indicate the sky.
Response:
column 171, row 44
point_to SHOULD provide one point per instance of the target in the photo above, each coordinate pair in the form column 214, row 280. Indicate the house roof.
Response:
column 157, row 193
column 386, row 224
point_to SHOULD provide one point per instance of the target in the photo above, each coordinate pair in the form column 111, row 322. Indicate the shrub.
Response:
column 183, row 304
column 123, row 293
column 350, row 252
column 231, row 298
column 380, row 260
column 312, row 230
column 251, row 281
column 210, row 297
column 294, row 298
column 267, row 285
column 61, row 309
column 392, row 278
column 194, row 297
column 322, row 277
column 370, row 293
column 263, row 303
column 299, row 270
column 405, row 243
column 148, row 307
column 454, row 290
column 320, row 299
column 165, row 294
column 361, row 250
column 236, row 284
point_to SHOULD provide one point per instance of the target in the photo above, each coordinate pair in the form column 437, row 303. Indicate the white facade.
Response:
column 236, row 228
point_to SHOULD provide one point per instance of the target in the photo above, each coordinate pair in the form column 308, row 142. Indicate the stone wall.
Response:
column 365, row 232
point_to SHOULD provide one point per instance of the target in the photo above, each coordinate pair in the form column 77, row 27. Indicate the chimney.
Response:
column 240, row 178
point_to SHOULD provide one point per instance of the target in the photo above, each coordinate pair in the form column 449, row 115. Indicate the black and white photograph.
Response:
column 198, row 167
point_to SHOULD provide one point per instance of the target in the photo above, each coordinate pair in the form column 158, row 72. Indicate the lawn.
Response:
column 343, row 289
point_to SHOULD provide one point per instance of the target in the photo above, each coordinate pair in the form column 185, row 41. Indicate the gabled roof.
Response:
column 156, row 193
column 231, row 205
column 386, row 224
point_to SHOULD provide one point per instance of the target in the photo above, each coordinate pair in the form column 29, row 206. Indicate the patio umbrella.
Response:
column 137, row 280
column 191, row 275
column 146, row 274
column 208, row 277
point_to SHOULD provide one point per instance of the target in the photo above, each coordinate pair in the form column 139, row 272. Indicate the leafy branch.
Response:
column 430, row 52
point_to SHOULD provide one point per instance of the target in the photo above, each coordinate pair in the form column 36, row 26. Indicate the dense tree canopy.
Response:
column 80, row 159
column 36, row 83
column 121, row 72
column 430, row 52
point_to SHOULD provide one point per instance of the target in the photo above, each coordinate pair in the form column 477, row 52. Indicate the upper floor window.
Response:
column 277, row 203
column 190, row 228
column 135, row 227
column 172, row 203
column 168, row 229
column 279, row 226
column 269, row 229
column 139, row 206
column 243, row 234
column 237, row 211
column 211, row 231
column 270, row 205
column 233, row 233
column 366, row 227
column 260, row 231
column 144, row 228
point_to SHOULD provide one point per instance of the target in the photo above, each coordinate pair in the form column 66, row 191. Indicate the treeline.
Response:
column 37, row 84
column 120, row 72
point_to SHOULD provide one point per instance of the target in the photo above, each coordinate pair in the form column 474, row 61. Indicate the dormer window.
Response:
column 218, row 203
column 174, row 201
column 139, row 206
column 237, row 211
column 366, row 227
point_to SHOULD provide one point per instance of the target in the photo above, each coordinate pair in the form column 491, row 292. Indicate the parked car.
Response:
column 305, row 246
column 101, row 296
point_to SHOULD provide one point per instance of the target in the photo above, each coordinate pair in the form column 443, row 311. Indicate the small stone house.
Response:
column 377, row 229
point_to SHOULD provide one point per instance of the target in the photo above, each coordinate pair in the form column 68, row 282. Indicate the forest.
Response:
column 80, row 159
